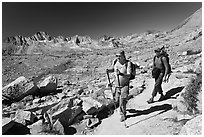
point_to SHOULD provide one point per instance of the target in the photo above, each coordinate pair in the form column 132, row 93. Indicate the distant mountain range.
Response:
column 41, row 42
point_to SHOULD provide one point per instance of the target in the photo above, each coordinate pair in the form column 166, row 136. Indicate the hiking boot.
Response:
column 150, row 101
column 162, row 98
column 122, row 118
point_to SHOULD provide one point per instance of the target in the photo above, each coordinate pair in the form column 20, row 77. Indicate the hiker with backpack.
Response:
column 164, row 53
column 122, row 72
column 161, row 71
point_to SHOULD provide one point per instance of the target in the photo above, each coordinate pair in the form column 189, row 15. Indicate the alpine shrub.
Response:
column 191, row 94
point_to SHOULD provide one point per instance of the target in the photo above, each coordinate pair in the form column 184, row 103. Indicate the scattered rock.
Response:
column 48, row 121
column 87, row 116
column 183, row 117
column 65, row 111
column 192, row 52
column 80, row 91
column 36, row 128
column 91, row 122
column 48, row 85
column 108, row 94
column 36, row 101
column 184, row 53
column 67, row 116
column 24, row 117
column 91, row 106
column 57, row 126
column 61, row 106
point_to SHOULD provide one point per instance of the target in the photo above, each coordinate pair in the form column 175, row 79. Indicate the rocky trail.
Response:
column 75, row 111
column 147, row 119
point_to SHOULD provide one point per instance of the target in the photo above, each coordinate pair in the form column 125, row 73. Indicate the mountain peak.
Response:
column 191, row 23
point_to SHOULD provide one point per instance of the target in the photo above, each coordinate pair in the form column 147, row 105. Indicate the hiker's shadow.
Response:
column 164, row 107
column 170, row 94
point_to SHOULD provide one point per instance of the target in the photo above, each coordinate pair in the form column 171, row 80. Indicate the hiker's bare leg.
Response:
column 157, row 87
column 123, row 101
column 117, row 95
column 122, row 104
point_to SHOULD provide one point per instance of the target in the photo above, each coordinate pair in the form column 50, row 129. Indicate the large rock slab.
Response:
column 61, row 106
column 192, row 127
column 91, row 106
column 67, row 116
column 18, row 89
column 65, row 111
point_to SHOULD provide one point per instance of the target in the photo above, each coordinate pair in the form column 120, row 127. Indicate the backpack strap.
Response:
column 114, row 62
column 154, row 61
column 161, row 60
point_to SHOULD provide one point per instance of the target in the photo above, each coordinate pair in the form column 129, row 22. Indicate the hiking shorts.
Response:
column 158, row 84
column 123, row 92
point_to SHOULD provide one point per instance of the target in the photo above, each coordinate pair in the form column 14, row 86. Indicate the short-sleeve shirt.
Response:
column 125, row 69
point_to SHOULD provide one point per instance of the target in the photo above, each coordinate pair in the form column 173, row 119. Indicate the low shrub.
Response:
column 191, row 94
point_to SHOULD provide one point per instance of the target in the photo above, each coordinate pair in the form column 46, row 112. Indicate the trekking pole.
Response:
column 120, row 93
column 111, row 90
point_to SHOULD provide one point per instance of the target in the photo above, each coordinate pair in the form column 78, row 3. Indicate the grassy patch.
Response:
column 191, row 94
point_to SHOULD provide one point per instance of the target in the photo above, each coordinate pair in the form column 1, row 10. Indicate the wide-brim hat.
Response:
column 157, row 50
column 122, row 52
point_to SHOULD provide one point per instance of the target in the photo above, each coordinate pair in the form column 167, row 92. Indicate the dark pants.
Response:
column 121, row 96
column 157, row 86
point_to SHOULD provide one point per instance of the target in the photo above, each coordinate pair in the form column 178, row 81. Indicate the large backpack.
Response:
column 167, row 58
column 133, row 69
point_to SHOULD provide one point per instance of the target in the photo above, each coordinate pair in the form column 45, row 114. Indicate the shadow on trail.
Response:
column 165, row 107
column 170, row 94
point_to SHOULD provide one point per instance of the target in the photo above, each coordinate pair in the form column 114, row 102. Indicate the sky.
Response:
column 93, row 19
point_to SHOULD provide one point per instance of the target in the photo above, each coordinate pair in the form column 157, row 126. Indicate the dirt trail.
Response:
column 157, row 118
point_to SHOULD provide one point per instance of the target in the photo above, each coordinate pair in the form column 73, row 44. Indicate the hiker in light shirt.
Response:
column 122, row 69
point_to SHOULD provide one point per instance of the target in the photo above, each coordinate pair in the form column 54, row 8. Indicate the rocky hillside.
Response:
column 53, row 84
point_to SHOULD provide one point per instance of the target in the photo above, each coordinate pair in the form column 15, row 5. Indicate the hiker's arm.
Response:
column 166, row 67
column 111, row 70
